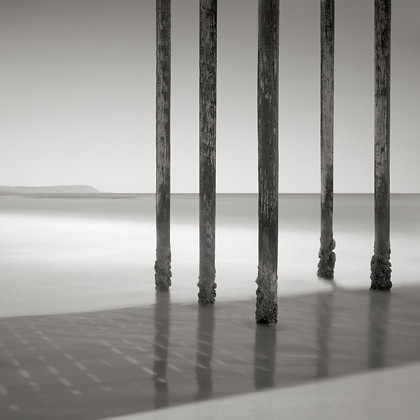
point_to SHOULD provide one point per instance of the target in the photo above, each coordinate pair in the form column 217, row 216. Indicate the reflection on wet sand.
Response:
column 110, row 363
column 378, row 327
column 265, row 356
column 205, row 334
column 160, row 365
column 323, row 333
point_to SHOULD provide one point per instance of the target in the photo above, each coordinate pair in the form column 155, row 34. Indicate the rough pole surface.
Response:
column 268, row 64
column 208, row 67
column 163, row 152
column 326, row 254
column 380, row 264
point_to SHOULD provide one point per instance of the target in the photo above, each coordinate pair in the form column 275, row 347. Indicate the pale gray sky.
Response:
column 77, row 86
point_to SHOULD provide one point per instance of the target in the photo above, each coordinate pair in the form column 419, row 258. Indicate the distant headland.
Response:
column 56, row 189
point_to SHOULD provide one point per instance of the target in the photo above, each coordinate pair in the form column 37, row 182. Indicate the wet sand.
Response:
column 119, row 362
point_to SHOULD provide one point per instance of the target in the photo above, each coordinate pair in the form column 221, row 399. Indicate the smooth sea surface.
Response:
column 74, row 252
column 104, row 344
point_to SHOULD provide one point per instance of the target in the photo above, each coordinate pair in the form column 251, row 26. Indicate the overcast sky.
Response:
column 77, row 95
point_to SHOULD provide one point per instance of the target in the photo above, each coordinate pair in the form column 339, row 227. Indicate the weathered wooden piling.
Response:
column 326, row 254
column 163, row 151
column 380, row 264
column 267, row 92
column 208, row 69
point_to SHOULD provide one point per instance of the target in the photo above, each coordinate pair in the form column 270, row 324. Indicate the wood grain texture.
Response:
column 326, row 263
column 380, row 264
column 208, row 70
column 163, row 144
column 267, row 92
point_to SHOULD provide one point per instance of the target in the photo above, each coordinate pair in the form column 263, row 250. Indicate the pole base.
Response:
column 326, row 262
column 206, row 284
column 266, row 305
column 163, row 274
column 380, row 273
column 207, row 292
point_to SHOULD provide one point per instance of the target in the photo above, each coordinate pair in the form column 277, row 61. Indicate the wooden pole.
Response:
column 268, row 64
column 380, row 264
column 208, row 68
column 326, row 254
column 163, row 152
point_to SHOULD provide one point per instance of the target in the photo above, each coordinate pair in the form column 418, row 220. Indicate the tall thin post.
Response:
column 380, row 264
column 163, row 152
column 268, row 65
column 326, row 254
column 208, row 68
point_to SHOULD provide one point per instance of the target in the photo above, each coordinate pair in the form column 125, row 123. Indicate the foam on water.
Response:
column 63, row 254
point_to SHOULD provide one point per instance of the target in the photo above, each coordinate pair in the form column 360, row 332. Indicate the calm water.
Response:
column 74, row 253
